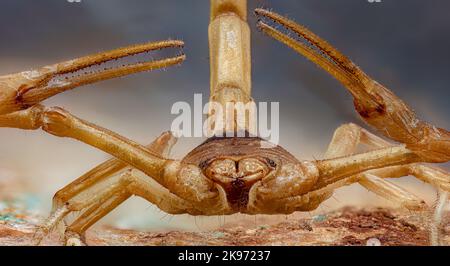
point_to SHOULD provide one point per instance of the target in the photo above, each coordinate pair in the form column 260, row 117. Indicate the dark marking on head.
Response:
column 271, row 163
column 204, row 164
column 237, row 194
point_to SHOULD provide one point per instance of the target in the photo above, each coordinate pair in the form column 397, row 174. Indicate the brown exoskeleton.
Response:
column 227, row 175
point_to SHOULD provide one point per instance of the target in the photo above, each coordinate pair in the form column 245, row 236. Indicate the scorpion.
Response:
column 227, row 175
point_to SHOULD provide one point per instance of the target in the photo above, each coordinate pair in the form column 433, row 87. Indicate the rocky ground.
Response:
column 348, row 226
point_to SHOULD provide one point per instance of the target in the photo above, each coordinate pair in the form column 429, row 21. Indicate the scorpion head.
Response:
column 237, row 175
column 237, row 164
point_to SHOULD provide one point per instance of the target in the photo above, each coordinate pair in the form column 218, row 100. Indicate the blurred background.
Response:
column 402, row 44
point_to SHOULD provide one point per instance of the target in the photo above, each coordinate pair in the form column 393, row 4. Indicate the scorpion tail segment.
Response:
column 22, row 90
column 377, row 105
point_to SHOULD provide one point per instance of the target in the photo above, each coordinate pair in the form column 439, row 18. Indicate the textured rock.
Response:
column 348, row 226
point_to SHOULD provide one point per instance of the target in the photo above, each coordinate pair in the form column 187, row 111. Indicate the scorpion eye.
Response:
column 204, row 164
column 271, row 163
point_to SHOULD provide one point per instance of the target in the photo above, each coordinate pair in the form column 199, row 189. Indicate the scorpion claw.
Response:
column 376, row 104
column 23, row 90
column 320, row 52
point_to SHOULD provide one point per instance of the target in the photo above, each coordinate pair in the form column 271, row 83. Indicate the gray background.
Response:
column 404, row 44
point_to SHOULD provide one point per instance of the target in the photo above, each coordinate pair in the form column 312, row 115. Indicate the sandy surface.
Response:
column 348, row 226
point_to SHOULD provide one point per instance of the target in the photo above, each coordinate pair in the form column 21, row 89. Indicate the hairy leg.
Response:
column 74, row 234
column 347, row 137
column 132, row 182
column 436, row 227
column 162, row 145
column 137, row 184
column 59, row 122
column 101, row 173
column 101, row 190
column 345, row 141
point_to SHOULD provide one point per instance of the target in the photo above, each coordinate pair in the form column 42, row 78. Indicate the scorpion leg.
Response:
column 161, row 145
column 101, row 190
column 97, row 201
column 25, row 119
column 345, row 141
column 377, row 105
column 139, row 185
column 436, row 227
column 61, row 123
column 347, row 137
column 199, row 190
column 74, row 235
